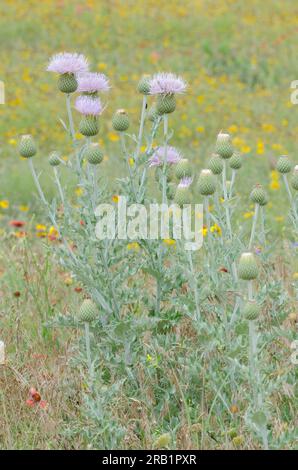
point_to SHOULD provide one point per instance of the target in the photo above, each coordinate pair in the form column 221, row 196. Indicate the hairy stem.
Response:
column 254, row 224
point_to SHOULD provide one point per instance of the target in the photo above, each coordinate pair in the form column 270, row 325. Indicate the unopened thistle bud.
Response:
column 283, row 164
column 206, row 183
column 248, row 268
column 183, row 169
column 259, row 195
column 251, row 310
column 120, row 120
column 215, row 164
column 236, row 161
column 54, row 158
column 88, row 311
column 27, row 147
column 89, row 126
column 93, row 154
column 224, row 145
column 144, row 85
column 294, row 178
column 166, row 104
column 183, row 195
column 67, row 83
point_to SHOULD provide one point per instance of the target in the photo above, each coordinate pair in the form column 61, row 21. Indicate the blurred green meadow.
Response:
column 238, row 57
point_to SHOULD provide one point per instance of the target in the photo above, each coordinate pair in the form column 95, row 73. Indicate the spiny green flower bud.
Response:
column 120, row 120
column 27, row 147
column 283, row 164
column 54, row 158
column 89, row 126
column 67, row 83
column 236, row 161
column 251, row 310
column 259, row 195
column 88, row 311
column 206, row 183
column 143, row 85
column 294, row 179
column 248, row 268
column 182, row 196
column 93, row 154
column 183, row 169
column 224, row 145
column 166, row 104
column 215, row 164
column 152, row 113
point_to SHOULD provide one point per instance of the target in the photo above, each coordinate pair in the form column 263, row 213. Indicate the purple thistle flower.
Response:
column 88, row 106
column 66, row 62
column 173, row 156
column 92, row 82
column 166, row 83
column 185, row 182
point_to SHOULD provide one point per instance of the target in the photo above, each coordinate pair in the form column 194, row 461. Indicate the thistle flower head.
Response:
column 66, row 62
column 185, row 182
column 88, row 106
column 92, row 82
column 173, row 156
column 166, row 83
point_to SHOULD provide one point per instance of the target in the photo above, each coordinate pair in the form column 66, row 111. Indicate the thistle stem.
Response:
column 57, row 179
column 262, row 210
column 88, row 350
column 224, row 184
column 124, row 150
column 143, row 113
column 71, row 129
column 254, row 224
column 194, row 283
column 253, row 369
column 164, row 168
column 291, row 199
column 232, row 183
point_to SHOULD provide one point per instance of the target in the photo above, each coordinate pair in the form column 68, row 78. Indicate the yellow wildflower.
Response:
column 133, row 246
column 101, row 66
column 215, row 228
column 248, row 215
column 40, row 228
column 169, row 241
column 115, row 198
column 23, row 208
column 4, row 204
column 79, row 191
column 260, row 147
column 113, row 137
column 274, row 185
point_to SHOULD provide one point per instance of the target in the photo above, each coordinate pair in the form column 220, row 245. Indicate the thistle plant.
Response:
column 260, row 198
column 152, row 286
column 248, row 271
column 284, row 167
